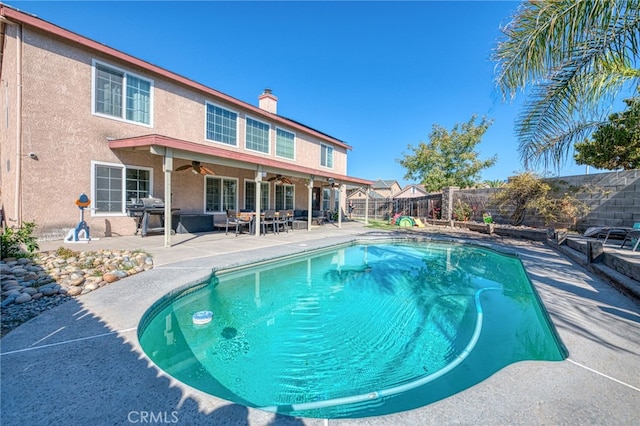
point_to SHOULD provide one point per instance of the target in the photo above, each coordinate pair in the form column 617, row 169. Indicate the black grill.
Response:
column 143, row 209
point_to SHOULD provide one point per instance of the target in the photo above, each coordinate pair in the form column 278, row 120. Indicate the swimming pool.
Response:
column 358, row 330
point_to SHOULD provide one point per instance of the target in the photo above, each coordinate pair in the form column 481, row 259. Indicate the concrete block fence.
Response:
column 613, row 199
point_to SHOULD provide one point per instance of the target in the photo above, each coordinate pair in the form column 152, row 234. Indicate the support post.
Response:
column 256, row 218
column 167, row 165
column 310, row 203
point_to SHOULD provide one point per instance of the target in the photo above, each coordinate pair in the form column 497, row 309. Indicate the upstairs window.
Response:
column 121, row 95
column 257, row 136
column 326, row 156
column 222, row 125
column 285, row 144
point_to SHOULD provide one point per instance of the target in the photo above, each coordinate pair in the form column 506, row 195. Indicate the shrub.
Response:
column 528, row 191
column 66, row 253
column 462, row 211
column 15, row 239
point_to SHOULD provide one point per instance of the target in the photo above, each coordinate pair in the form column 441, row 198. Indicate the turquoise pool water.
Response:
column 359, row 330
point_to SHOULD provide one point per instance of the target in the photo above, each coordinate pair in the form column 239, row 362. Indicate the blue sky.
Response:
column 377, row 75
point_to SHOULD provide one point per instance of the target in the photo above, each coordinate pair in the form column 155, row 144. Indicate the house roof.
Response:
column 158, row 144
column 406, row 191
column 384, row 184
column 372, row 193
column 33, row 21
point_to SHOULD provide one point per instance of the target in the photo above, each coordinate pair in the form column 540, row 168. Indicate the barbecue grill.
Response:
column 142, row 210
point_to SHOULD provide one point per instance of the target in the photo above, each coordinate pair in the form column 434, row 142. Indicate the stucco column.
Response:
column 256, row 218
column 340, row 189
column 310, row 203
column 447, row 202
column 167, row 165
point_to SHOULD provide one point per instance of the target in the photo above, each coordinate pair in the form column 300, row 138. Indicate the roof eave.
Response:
column 187, row 149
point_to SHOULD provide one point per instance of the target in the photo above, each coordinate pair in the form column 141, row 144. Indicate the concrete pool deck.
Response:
column 81, row 364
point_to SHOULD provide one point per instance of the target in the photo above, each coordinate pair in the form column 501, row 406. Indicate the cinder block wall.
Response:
column 613, row 199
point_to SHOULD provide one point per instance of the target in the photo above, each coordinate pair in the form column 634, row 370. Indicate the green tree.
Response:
column 616, row 144
column 449, row 158
column 577, row 56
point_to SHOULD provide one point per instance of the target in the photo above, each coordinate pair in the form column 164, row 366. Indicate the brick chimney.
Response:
column 268, row 102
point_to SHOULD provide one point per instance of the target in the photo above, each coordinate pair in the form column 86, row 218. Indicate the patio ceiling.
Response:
column 160, row 145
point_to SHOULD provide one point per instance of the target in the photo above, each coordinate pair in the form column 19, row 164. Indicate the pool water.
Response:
column 359, row 330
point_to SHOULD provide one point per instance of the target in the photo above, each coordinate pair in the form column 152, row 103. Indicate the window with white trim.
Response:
column 222, row 125
column 250, row 195
column 284, row 197
column 285, row 144
column 326, row 156
column 326, row 198
column 221, row 194
column 120, row 94
column 257, row 135
column 114, row 186
column 137, row 184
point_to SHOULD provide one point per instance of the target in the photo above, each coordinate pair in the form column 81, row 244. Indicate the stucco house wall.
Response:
column 54, row 92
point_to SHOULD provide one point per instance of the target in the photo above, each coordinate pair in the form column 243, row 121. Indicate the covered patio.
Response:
column 296, row 187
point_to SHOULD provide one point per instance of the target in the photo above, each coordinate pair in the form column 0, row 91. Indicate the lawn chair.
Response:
column 632, row 237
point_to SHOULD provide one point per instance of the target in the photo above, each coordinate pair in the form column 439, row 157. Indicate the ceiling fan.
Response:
column 196, row 168
column 281, row 179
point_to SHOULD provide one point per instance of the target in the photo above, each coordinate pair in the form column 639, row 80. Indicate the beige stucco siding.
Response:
column 8, row 133
column 59, row 127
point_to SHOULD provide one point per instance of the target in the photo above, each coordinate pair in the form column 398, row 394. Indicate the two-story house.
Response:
column 81, row 117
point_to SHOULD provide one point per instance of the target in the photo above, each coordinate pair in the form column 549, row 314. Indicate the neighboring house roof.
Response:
column 384, row 184
column 33, row 21
column 372, row 194
column 411, row 191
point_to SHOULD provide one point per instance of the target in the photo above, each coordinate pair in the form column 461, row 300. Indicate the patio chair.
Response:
column 269, row 219
column 290, row 219
column 238, row 221
column 283, row 220
column 614, row 232
column 632, row 237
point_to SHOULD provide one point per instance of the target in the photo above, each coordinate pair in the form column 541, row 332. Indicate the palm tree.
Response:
column 495, row 183
column 577, row 55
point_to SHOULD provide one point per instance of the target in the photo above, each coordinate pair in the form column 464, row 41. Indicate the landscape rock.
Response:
column 33, row 285
column 23, row 298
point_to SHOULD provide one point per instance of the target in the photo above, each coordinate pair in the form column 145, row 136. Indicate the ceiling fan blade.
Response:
column 286, row 180
column 185, row 167
column 271, row 179
column 206, row 171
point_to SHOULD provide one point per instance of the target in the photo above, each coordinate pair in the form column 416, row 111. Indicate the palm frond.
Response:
column 578, row 56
